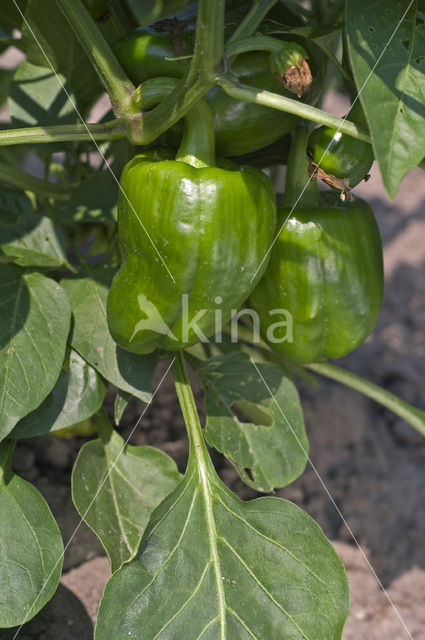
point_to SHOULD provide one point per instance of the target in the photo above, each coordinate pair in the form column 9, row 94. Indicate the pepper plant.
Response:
column 157, row 232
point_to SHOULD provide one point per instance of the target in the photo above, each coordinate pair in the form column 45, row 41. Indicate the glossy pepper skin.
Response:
column 143, row 54
column 340, row 155
column 326, row 270
column 212, row 228
column 240, row 127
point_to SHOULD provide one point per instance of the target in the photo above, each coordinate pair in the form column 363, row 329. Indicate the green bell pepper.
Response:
column 192, row 235
column 325, row 271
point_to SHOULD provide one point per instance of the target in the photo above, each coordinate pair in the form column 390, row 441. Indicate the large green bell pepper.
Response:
column 325, row 271
column 240, row 127
column 193, row 236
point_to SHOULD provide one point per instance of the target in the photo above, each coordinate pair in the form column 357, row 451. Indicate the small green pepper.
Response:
column 340, row 155
column 193, row 236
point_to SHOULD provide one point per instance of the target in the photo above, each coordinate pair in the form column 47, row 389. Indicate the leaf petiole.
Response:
column 415, row 417
column 281, row 103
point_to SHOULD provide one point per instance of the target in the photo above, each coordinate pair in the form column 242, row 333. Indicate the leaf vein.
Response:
column 263, row 588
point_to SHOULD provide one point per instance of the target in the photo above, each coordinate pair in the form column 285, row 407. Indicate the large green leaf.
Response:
column 393, row 96
column 213, row 567
column 37, row 98
column 115, row 488
column 254, row 417
column 77, row 395
column 34, row 324
column 91, row 338
column 31, row 548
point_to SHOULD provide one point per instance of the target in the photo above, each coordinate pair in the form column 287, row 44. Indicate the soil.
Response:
column 372, row 463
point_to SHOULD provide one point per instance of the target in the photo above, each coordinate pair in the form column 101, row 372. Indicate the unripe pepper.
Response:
column 325, row 269
column 341, row 155
column 240, row 127
column 193, row 236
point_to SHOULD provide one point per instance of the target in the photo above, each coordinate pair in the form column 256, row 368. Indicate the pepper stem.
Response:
column 197, row 145
column 283, row 53
column 300, row 188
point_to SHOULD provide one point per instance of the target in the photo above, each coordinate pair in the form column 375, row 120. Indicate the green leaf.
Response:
column 115, row 488
column 94, row 200
column 33, row 240
column 77, row 395
column 91, row 338
column 31, row 546
column 37, row 98
column 251, row 427
column 34, row 325
column 213, row 567
column 393, row 97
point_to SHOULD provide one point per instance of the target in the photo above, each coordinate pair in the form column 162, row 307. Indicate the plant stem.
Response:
column 200, row 459
column 104, row 425
column 415, row 417
column 22, row 180
column 300, row 189
column 112, row 130
column 257, row 43
column 203, row 69
column 209, row 43
column 112, row 75
column 6, row 450
column 190, row 412
column 281, row 103
column 253, row 18
column 151, row 92
column 197, row 145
